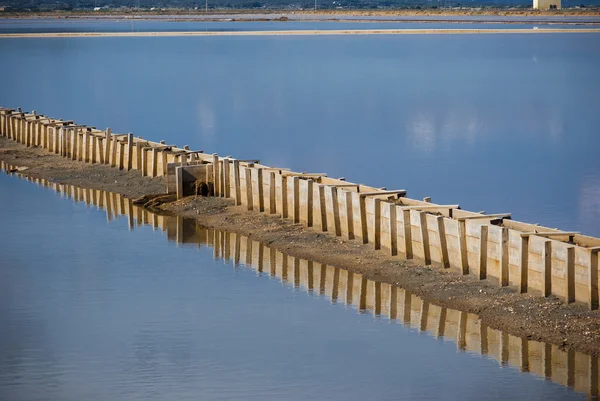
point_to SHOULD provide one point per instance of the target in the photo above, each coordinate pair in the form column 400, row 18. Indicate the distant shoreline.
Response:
column 460, row 31
column 273, row 15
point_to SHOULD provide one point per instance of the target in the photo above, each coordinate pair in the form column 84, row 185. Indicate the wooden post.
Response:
column 27, row 133
column 248, row 186
column 333, row 218
column 296, row 197
column 504, row 258
column 524, row 267
column 309, row 202
column 226, row 179
column 462, row 243
column 272, row 193
column 284, row 198
column 154, row 170
column 115, row 147
column 257, row 193
column 222, row 179
column 443, row 243
column 107, row 141
column 121, row 155
column 64, row 142
column 408, row 252
column 61, row 140
column 349, row 213
column 216, row 175
column 425, row 237
column 547, row 268
column 392, row 229
column 39, row 132
column 570, row 275
column 593, row 280
column 129, row 151
column 179, row 181
column 74, row 144
column 236, row 182
column 483, row 254
column 138, row 156
column 323, row 207
column 377, row 224
column 144, row 165
column 86, row 146
column 94, row 149
column 55, row 140
column 364, row 228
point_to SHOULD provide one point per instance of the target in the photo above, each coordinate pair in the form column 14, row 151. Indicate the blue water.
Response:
column 91, row 310
column 501, row 123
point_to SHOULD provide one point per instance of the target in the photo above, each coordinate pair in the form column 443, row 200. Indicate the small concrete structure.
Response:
column 546, row 4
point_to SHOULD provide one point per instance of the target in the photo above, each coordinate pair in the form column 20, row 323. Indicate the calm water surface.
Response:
column 501, row 123
column 91, row 310
column 137, row 25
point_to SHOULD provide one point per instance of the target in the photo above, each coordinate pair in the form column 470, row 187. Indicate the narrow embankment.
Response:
column 332, row 32
column 570, row 326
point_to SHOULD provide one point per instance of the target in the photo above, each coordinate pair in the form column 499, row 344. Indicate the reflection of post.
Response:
column 524, row 355
column 593, row 391
column 424, row 313
column 272, row 261
column 483, row 334
column 296, row 272
column 407, row 298
column 226, row 246
column 547, row 359
column 393, row 302
column 362, row 304
column 236, row 258
column 504, row 349
column 335, row 285
column 129, row 214
column 377, row 306
column 461, row 337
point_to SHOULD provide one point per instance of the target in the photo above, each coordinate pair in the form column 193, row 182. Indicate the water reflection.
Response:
column 382, row 300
